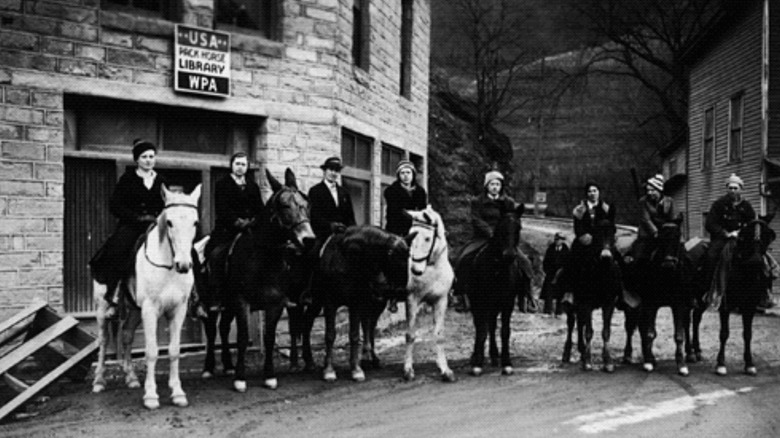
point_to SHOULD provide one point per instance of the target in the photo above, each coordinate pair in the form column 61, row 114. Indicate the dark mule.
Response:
column 356, row 269
column 258, row 277
column 746, row 285
column 665, row 280
column 496, row 279
column 593, row 276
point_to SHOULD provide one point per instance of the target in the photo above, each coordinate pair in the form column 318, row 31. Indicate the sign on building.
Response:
column 202, row 61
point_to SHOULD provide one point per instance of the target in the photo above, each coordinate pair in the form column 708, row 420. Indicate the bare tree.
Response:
column 649, row 39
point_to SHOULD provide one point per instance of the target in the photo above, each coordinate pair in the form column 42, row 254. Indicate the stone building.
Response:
column 79, row 80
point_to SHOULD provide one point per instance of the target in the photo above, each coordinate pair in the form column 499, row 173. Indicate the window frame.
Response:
column 271, row 29
column 407, row 37
column 361, row 34
column 168, row 10
column 708, row 139
column 735, row 150
column 361, row 175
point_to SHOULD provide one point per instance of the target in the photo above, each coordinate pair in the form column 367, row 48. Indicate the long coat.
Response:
column 130, row 202
column 725, row 217
column 325, row 212
column 486, row 213
column 654, row 215
column 398, row 199
column 231, row 202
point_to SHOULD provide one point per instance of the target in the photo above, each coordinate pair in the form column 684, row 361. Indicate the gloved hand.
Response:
column 337, row 227
column 586, row 239
column 241, row 223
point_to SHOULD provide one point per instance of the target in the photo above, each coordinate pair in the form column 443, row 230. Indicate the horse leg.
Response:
column 295, row 324
column 724, row 336
column 481, row 329
column 630, row 326
column 506, row 332
column 99, row 383
column 412, row 308
column 175, row 323
column 127, row 334
column 695, row 325
column 356, row 315
column 272, row 317
column 439, row 312
column 680, row 314
column 210, row 327
column 492, row 345
column 648, row 334
column 328, row 373
column 584, row 337
column 225, row 321
column 606, row 334
column 571, row 320
column 308, row 322
column 149, row 315
column 747, row 336
column 242, row 340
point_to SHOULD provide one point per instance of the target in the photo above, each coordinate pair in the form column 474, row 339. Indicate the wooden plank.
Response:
column 6, row 332
column 15, row 384
column 31, row 346
column 48, row 379
column 77, row 337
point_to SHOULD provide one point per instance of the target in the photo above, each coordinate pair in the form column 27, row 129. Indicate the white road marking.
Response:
column 612, row 419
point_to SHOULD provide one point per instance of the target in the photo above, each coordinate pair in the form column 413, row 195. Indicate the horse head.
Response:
column 668, row 247
column 426, row 239
column 289, row 209
column 753, row 242
column 506, row 235
column 179, row 223
column 375, row 255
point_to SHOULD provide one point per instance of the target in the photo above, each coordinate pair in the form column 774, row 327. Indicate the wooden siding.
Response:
column 773, row 147
column 732, row 65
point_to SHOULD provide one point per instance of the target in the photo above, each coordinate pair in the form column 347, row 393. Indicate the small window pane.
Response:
column 195, row 131
column 363, row 154
column 348, row 148
column 111, row 128
column 246, row 14
column 359, row 192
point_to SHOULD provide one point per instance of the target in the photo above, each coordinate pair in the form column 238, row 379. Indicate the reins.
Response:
column 170, row 243
column 435, row 228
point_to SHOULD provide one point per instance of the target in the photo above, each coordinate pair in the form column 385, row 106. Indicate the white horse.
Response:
column 430, row 280
column 162, row 283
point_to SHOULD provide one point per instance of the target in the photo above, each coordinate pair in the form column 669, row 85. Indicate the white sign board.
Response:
column 202, row 61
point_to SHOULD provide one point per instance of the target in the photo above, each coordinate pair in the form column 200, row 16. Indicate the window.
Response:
column 391, row 156
column 360, row 33
column 255, row 15
column 149, row 8
column 356, row 152
column 407, row 24
column 708, row 139
column 735, row 128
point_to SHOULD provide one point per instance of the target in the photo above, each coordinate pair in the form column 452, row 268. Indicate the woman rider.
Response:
column 136, row 202
column 486, row 212
column 403, row 194
column 238, row 205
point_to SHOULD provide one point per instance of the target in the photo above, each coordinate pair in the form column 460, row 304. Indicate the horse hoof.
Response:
column 271, row 383
column 151, row 403
column 507, row 371
column 329, row 376
column 207, row 375
column 690, row 358
column 448, row 376
column 180, row 401
column 230, row 372
column 409, row 375
column 134, row 384
column 609, row 368
column 358, row 376
column 751, row 371
column 587, row 366
column 476, row 371
column 683, row 371
column 239, row 386
column 721, row 370
column 98, row 388
column 647, row 366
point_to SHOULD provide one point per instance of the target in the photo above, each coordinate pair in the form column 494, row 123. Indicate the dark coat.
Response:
column 554, row 259
column 232, row 202
column 486, row 213
column 130, row 201
column 585, row 222
column 725, row 217
column 324, row 211
column 654, row 215
column 398, row 199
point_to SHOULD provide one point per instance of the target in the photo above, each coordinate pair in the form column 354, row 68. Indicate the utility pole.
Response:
column 538, row 162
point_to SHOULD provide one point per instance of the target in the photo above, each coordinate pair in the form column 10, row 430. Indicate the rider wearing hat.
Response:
column 136, row 202
column 331, row 205
column 403, row 194
column 555, row 259
column 656, row 210
column 727, row 216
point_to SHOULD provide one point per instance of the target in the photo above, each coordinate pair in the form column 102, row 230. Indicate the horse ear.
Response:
column 427, row 217
column 520, row 209
column 407, row 213
column 289, row 179
column 275, row 184
column 164, row 192
column 196, row 193
column 679, row 219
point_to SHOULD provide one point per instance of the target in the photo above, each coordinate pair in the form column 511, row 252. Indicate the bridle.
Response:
column 275, row 217
column 435, row 228
column 170, row 243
